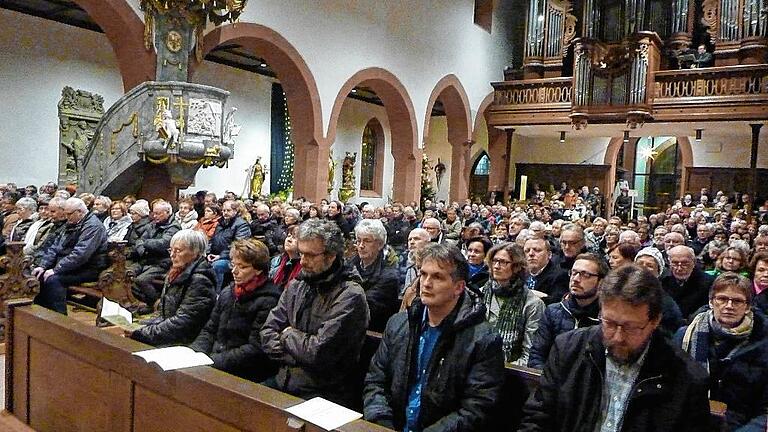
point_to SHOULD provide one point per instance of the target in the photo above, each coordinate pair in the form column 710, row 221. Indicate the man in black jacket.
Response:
column 621, row 375
column 440, row 364
column 688, row 285
column 544, row 275
column 231, row 227
column 151, row 253
column 77, row 255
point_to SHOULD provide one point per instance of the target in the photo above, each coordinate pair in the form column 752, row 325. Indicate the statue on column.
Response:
column 257, row 177
column 331, row 171
column 347, row 189
column 440, row 169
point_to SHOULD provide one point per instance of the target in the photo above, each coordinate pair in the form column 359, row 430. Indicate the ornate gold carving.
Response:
column 162, row 103
column 569, row 31
column 711, row 18
column 534, row 94
column 133, row 120
column 149, row 20
column 174, row 41
column 181, row 106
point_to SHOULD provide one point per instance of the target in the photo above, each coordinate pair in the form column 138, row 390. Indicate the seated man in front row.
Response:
column 621, row 375
column 440, row 365
column 78, row 255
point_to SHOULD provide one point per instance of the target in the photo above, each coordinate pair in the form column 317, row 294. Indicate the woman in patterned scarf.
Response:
column 511, row 308
column 729, row 340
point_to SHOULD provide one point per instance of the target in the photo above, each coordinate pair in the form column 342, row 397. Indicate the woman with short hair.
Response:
column 511, row 308
column 620, row 254
column 733, row 259
column 188, row 294
column 186, row 216
column 731, row 342
column 117, row 222
column 211, row 216
column 231, row 335
column 477, row 249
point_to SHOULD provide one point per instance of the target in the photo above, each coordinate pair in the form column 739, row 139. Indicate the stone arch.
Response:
column 459, row 119
column 497, row 151
column 311, row 150
column 125, row 31
column 402, row 123
column 612, row 153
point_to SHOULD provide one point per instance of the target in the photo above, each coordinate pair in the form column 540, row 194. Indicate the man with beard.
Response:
column 316, row 331
column 621, row 374
column 578, row 309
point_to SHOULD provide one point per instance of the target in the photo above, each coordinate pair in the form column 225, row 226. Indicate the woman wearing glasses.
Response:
column 511, row 308
column 188, row 294
column 730, row 341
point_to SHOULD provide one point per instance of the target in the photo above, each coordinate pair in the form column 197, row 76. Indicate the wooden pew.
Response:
column 15, row 282
column 114, row 282
column 62, row 376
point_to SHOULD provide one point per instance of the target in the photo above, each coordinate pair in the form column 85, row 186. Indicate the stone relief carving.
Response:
column 231, row 129
column 204, row 117
column 79, row 114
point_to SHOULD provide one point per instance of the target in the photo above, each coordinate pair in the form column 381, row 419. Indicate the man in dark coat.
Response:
column 544, row 275
column 316, row 331
column 380, row 280
column 188, row 297
column 578, row 309
column 440, row 364
column 151, row 253
column 266, row 228
column 688, row 285
column 231, row 227
column 398, row 229
column 231, row 337
column 622, row 375
column 77, row 255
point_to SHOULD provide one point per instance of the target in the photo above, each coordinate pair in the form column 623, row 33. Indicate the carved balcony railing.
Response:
column 537, row 101
column 730, row 91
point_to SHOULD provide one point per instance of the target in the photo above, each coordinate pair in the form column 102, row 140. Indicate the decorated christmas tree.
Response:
column 427, row 189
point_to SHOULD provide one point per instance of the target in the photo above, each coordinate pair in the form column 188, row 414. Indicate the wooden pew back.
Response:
column 62, row 375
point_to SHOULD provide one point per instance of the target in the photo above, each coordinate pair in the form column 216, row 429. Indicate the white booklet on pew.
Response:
column 115, row 314
column 324, row 413
column 175, row 357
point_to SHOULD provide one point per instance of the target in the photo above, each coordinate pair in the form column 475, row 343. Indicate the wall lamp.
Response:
column 626, row 136
column 562, row 137
column 698, row 134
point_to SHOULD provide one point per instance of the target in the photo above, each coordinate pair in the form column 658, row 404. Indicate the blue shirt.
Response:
column 427, row 340
column 617, row 388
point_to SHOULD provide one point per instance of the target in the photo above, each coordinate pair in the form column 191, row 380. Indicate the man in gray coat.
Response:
column 317, row 329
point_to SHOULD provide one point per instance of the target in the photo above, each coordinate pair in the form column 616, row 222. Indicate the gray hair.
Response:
column 76, row 204
column 523, row 219
column 421, row 232
column 194, row 240
column 293, row 213
column 408, row 211
column 327, row 231
column 372, row 227
column 163, row 205
column 574, row 228
column 57, row 201
column 106, row 199
column 27, row 203
column 140, row 207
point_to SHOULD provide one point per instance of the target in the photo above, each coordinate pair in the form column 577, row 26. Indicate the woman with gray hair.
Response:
column 381, row 280
column 26, row 208
column 188, row 294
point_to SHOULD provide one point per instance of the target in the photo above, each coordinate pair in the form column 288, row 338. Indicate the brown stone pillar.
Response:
column 310, row 171
column 406, row 185
column 753, row 160
column 460, row 166
column 507, row 164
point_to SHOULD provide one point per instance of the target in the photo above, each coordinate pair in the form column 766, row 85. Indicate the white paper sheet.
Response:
column 324, row 413
column 176, row 357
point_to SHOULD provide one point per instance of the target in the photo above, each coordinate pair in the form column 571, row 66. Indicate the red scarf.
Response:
column 250, row 286
column 173, row 273
column 281, row 278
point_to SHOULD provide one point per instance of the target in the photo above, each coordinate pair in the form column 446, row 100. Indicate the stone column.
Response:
column 460, row 166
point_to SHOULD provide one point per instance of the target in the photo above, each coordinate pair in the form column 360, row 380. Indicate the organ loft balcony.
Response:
column 610, row 61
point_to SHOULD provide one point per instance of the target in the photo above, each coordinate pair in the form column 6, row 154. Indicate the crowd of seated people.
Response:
column 283, row 292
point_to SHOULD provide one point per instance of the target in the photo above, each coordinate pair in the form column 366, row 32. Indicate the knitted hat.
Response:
column 140, row 207
column 656, row 254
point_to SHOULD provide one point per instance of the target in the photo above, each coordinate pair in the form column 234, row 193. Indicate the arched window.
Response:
column 372, row 159
column 483, row 166
column 478, row 181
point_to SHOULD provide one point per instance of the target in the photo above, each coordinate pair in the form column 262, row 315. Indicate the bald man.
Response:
column 687, row 284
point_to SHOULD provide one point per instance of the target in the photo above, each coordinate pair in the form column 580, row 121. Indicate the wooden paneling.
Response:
column 154, row 412
column 576, row 175
column 727, row 180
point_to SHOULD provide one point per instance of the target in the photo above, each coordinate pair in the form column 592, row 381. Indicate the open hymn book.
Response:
column 113, row 313
column 176, row 357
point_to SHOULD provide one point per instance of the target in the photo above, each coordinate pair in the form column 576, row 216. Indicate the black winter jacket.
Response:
column 690, row 296
column 552, row 281
column 231, row 337
column 327, row 315
column 152, row 247
column 559, row 318
column 78, row 246
column 670, row 393
column 397, row 233
column 185, row 305
column 226, row 232
column 382, row 286
column 267, row 232
column 464, row 375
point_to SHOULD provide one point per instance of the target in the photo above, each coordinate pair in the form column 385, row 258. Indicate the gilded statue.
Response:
column 347, row 171
column 331, row 171
column 257, row 178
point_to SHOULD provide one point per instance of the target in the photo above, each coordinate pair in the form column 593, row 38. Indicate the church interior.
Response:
column 357, row 102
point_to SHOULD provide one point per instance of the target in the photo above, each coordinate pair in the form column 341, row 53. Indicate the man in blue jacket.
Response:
column 77, row 255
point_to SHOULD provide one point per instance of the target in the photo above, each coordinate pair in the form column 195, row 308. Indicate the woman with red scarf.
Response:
column 231, row 336
column 287, row 265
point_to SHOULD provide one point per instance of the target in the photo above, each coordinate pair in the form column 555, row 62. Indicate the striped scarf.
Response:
column 697, row 337
column 510, row 322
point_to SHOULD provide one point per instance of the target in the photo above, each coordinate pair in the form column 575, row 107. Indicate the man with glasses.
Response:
column 621, row 374
column 77, row 255
column 578, row 309
column 687, row 284
column 316, row 331
column 571, row 245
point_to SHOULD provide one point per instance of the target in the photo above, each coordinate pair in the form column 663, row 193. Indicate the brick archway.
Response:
column 125, row 32
column 459, row 119
column 311, row 150
column 402, row 124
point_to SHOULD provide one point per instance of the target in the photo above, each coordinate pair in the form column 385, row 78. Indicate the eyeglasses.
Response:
column 583, row 274
column 175, row 250
column 233, row 266
column 365, row 241
column 680, row 264
column 722, row 300
column 501, row 262
column 310, row 255
column 610, row 326
column 570, row 242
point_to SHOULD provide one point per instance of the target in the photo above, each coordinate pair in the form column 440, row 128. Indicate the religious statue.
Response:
column 257, row 177
column 347, row 189
column 168, row 130
column 231, row 130
column 439, row 172
column 331, row 171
